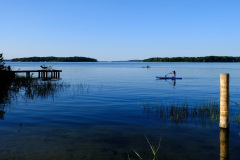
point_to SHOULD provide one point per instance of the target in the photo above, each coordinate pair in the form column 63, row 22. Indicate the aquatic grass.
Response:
column 81, row 88
column 137, row 154
column 45, row 89
column 85, row 88
column 209, row 110
column 236, row 118
column 205, row 112
column 154, row 151
column 41, row 89
column 30, row 88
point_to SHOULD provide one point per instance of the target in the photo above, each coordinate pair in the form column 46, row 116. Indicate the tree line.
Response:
column 194, row 59
column 54, row 59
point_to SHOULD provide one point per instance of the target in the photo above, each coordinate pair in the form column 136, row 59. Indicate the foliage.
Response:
column 194, row 59
column 135, row 61
column 2, row 64
column 55, row 59
column 6, row 77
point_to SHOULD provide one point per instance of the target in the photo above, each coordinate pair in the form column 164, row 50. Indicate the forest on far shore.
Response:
column 54, row 59
column 194, row 59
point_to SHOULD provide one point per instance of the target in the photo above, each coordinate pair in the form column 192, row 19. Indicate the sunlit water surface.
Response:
column 101, row 116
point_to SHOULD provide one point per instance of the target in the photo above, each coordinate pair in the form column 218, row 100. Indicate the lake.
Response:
column 106, row 111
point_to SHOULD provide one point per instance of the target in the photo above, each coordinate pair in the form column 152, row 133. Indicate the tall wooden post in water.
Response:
column 224, row 100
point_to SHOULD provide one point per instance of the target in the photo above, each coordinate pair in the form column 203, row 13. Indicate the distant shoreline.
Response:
column 217, row 59
column 54, row 59
column 194, row 59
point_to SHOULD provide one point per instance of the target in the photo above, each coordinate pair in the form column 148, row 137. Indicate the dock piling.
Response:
column 224, row 100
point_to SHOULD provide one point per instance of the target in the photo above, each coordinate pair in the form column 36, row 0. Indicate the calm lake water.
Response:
column 100, row 115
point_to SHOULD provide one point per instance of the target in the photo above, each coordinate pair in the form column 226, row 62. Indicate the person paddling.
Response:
column 174, row 74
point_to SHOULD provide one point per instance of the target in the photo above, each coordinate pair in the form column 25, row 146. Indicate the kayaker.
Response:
column 174, row 74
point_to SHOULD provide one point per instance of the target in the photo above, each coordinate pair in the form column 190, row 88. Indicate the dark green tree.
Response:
column 6, row 78
column 1, row 62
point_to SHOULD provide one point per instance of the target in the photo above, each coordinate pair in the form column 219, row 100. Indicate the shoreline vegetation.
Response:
column 54, row 59
column 6, row 78
column 153, row 59
column 194, row 59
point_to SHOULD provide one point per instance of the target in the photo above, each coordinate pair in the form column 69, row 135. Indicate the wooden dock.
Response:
column 41, row 73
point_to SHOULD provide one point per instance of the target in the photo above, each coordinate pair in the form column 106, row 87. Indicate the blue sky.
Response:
column 119, row 29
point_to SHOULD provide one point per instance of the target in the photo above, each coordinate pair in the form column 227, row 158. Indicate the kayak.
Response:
column 168, row 77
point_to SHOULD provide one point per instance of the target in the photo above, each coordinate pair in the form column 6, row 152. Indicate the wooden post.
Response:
column 224, row 143
column 224, row 100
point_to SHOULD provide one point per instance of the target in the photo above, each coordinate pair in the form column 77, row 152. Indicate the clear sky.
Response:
column 119, row 29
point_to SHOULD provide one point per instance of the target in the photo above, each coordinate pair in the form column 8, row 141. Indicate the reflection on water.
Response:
column 169, row 81
column 6, row 80
column 2, row 112
column 224, row 144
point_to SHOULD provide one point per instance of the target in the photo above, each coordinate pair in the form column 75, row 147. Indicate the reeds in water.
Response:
column 180, row 113
column 207, row 112
column 153, row 149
